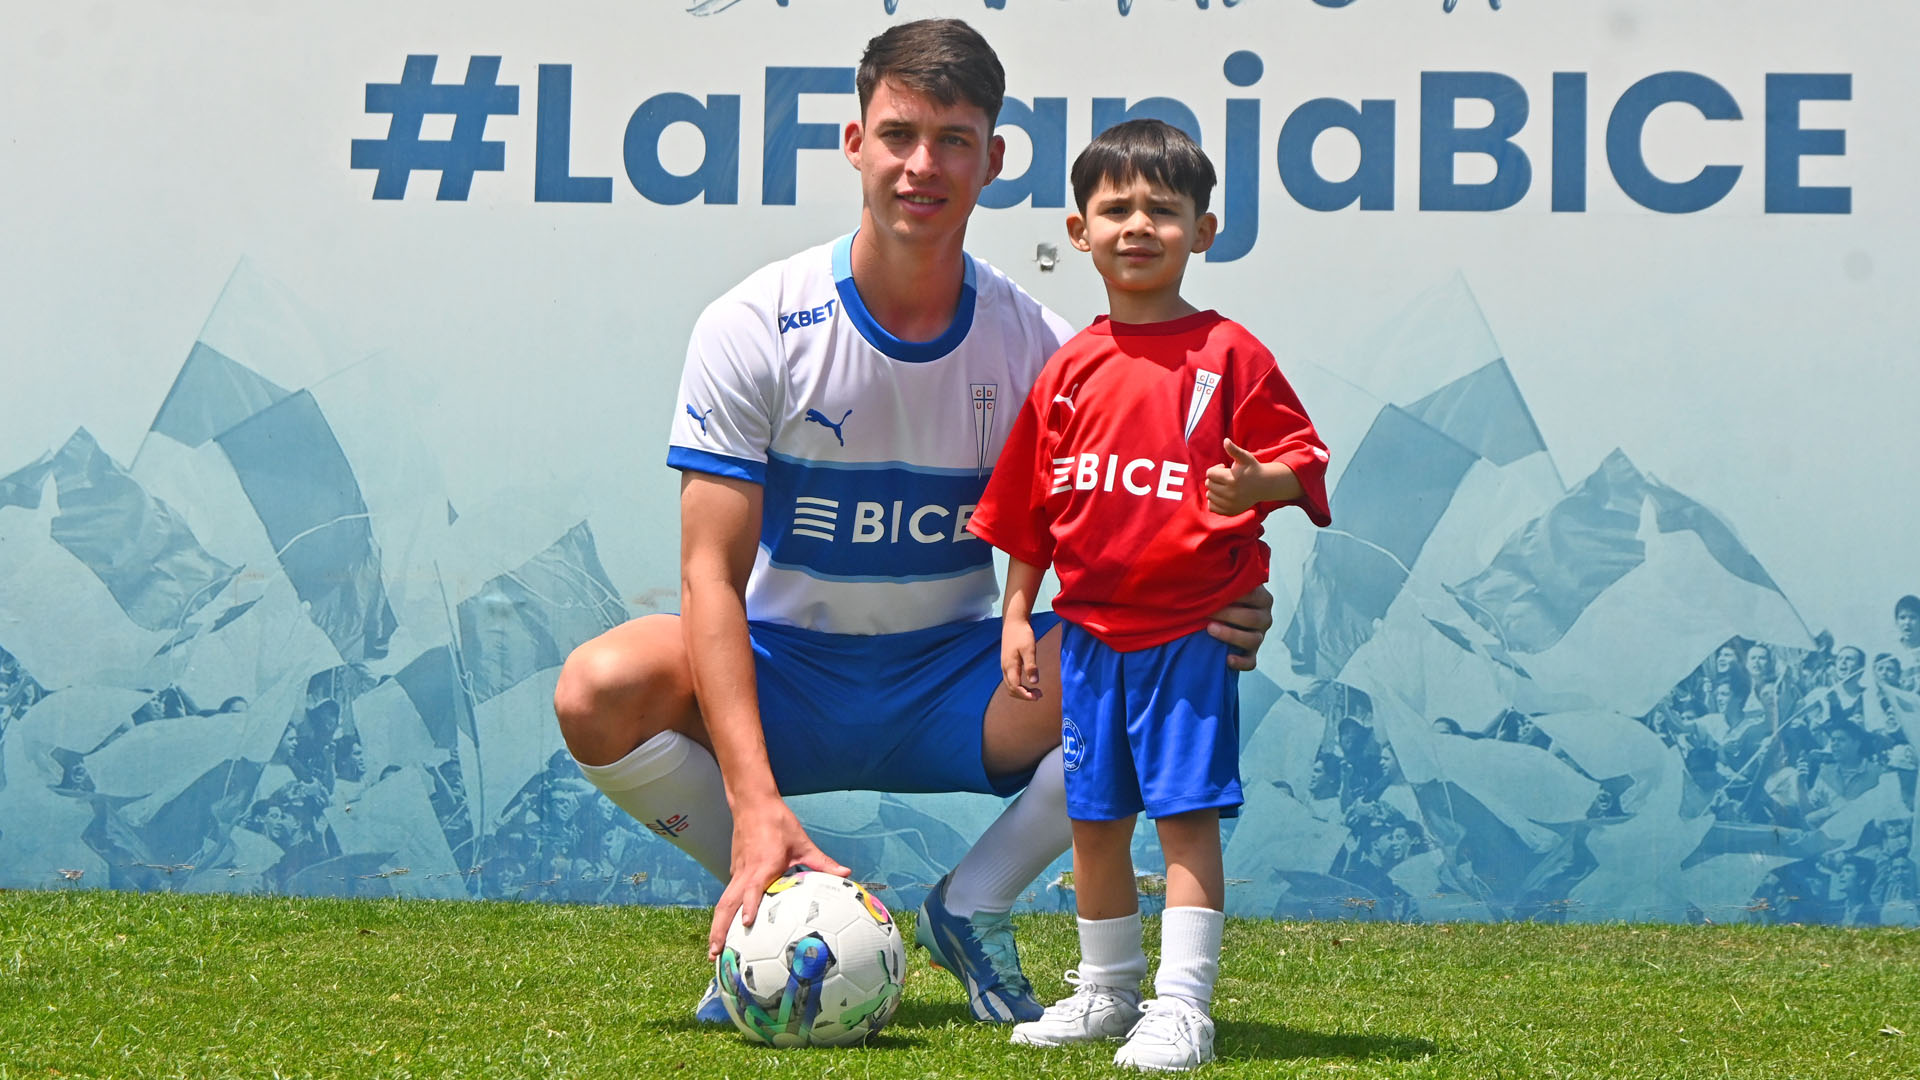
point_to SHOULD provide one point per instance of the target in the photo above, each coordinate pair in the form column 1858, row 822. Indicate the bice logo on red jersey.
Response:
column 1139, row 476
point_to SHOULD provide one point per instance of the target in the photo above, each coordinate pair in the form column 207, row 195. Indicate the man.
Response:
column 1906, row 626
column 839, row 415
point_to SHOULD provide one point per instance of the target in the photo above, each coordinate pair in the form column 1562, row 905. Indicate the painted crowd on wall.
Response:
column 269, row 655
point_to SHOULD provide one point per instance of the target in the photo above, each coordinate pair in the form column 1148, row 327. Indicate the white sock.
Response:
column 1024, row 840
column 672, row 785
column 1189, row 954
column 1111, row 954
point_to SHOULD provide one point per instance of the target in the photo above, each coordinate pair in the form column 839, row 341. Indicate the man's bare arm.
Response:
column 719, row 535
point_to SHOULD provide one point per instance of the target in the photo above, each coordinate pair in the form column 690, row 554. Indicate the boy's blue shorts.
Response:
column 881, row 712
column 1155, row 730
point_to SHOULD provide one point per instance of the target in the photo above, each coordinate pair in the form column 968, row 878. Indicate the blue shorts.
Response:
column 1155, row 730
column 881, row 712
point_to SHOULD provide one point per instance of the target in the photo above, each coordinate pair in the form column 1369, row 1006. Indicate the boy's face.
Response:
column 922, row 164
column 1140, row 235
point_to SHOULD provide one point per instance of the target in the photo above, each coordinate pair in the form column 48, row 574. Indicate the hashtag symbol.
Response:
column 458, row 157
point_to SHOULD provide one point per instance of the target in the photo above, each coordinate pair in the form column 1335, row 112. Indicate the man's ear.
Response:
column 1077, row 232
column 996, row 157
column 1203, row 231
column 850, row 142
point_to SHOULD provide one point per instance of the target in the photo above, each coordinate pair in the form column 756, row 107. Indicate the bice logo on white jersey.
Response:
column 873, row 522
column 1139, row 476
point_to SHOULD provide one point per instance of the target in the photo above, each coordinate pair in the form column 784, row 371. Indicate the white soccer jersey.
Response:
column 873, row 451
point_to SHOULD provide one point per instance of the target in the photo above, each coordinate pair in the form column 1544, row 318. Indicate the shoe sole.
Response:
column 1029, row 1040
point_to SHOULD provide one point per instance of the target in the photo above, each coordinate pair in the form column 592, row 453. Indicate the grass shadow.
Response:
column 908, row 1029
column 1258, row 1039
column 892, row 1037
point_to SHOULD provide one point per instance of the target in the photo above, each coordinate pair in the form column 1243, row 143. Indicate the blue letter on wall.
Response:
column 1108, row 111
column 1045, row 180
column 718, row 176
column 1629, row 162
column 1371, row 183
column 553, row 144
column 1788, row 142
column 786, row 136
column 1441, row 141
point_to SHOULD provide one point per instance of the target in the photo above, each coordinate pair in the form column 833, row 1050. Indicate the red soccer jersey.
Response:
column 1104, row 474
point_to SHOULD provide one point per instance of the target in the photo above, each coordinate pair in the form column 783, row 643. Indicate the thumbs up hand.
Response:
column 1235, row 486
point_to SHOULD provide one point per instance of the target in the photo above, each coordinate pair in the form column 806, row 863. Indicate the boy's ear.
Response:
column 1203, row 231
column 996, row 157
column 1077, row 232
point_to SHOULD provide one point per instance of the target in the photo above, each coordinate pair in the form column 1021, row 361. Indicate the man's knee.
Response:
column 622, row 688
column 592, row 676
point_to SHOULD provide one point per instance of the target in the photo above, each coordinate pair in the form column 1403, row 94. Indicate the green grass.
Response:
column 110, row 984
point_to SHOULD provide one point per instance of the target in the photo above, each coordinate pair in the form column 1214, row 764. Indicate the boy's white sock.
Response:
column 1111, row 953
column 1189, row 954
column 672, row 785
column 1027, row 836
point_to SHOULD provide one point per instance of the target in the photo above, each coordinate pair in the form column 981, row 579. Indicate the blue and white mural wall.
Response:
column 341, row 348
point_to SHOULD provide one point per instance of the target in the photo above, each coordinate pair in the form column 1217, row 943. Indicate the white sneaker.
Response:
column 1091, row 1013
column 1171, row 1036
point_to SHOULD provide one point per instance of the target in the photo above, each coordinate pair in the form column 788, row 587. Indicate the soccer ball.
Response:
column 822, row 964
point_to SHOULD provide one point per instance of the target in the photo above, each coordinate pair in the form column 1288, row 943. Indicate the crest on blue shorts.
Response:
column 1073, row 748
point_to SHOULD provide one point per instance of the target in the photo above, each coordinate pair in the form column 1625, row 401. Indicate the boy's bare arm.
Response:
column 1019, row 659
column 1244, row 481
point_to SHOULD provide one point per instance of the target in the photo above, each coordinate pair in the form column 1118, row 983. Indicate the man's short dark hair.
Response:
column 1153, row 150
column 944, row 59
column 1905, row 604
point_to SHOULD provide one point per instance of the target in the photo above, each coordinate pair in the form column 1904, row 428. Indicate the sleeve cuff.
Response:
column 687, row 459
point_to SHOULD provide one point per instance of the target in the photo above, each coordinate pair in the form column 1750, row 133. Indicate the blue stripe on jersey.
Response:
column 913, row 352
column 682, row 457
column 868, row 524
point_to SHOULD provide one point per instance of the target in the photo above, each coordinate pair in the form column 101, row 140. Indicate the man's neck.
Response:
column 911, row 290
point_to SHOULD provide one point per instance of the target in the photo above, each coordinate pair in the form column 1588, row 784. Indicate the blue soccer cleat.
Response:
column 978, row 951
column 711, row 1009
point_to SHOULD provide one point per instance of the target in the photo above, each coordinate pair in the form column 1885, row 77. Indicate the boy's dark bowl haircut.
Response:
column 1151, row 149
column 944, row 59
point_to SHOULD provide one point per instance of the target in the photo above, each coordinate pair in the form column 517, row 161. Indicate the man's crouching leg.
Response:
column 627, row 712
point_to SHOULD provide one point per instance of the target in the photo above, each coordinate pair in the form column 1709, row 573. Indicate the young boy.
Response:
column 1101, row 477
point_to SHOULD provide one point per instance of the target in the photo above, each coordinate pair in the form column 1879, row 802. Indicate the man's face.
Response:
column 1845, row 747
column 1722, row 697
column 1906, row 622
column 1725, row 658
column 1321, row 782
column 1393, row 846
column 1887, row 669
column 1848, row 877
column 1848, row 662
column 278, row 824
column 1898, row 841
column 922, row 164
column 1757, row 662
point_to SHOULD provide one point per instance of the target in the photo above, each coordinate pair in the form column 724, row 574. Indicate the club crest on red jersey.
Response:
column 1204, row 384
